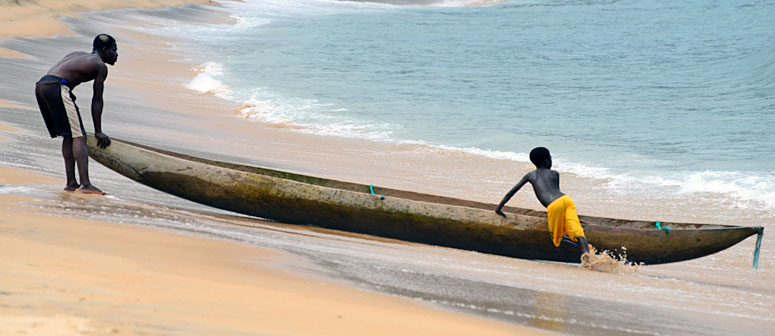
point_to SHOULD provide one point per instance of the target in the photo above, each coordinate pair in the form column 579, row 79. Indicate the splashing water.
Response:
column 606, row 262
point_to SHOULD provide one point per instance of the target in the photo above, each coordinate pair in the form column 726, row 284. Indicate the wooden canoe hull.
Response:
column 300, row 199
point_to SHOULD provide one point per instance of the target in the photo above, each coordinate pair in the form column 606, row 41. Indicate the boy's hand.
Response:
column 500, row 212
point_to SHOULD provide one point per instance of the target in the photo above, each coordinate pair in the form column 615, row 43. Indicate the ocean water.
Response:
column 678, row 96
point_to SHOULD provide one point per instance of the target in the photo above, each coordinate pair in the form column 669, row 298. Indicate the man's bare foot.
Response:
column 71, row 187
column 90, row 189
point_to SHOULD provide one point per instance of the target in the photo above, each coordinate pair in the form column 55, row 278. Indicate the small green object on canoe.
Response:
column 659, row 226
column 301, row 199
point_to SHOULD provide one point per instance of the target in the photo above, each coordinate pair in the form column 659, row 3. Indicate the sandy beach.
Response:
column 66, row 276
column 25, row 18
column 63, row 276
column 143, row 262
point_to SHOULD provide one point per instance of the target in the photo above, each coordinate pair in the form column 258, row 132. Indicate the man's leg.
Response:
column 67, row 153
column 81, row 154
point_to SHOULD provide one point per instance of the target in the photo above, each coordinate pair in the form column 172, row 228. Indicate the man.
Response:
column 62, row 117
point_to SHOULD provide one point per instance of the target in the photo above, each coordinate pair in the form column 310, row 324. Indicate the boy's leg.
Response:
column 573, row 226
column 67, row 153
column 583, row 245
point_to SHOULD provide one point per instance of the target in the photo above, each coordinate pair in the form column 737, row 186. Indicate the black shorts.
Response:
column 57, row 105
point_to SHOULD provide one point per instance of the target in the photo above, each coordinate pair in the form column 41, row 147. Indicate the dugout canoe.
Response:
column 300, row 199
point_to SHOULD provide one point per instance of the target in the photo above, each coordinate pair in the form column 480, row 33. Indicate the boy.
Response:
column 560, row 207
column 57, row 105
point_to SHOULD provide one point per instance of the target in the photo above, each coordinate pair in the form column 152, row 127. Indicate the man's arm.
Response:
column 96, row 106
column 511, row 193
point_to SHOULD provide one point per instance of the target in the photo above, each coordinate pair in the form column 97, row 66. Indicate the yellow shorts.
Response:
column 563, row 219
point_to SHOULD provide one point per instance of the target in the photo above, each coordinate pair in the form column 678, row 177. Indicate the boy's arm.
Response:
column 510, row 194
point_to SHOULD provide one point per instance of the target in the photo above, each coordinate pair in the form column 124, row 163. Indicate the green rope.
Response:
column 371, row 187
column 758, row 248
column 660, row 227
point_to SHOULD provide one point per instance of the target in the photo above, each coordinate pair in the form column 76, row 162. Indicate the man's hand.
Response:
column 500, row 212
column 103, row 140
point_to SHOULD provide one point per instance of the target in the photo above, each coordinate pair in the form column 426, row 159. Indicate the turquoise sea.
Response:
column 673, row 95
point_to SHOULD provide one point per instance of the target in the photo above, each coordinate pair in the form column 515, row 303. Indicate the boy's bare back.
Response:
column 546, row 185
column 545, row 182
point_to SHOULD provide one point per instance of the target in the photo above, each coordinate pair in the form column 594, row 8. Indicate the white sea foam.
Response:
column 465, row 3
column 352, row 131
column 308, row 116
column 759, row 188
column 15, row 190
column 206, row 80
column 249, row 22
column 750, row 190
column 493, row 154
column 263, row 111
column 284, row 8
column 181, row 28
column 268, row 107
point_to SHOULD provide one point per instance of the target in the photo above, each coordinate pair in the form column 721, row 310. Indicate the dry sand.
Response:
column 62, row 276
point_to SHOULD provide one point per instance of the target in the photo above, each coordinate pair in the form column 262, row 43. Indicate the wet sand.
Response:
column 75, row 276
column 146, row 102
column 26, row 18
